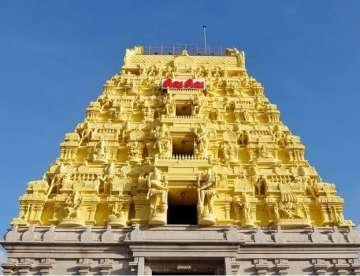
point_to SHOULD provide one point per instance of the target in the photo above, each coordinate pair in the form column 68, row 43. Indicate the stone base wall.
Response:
column 181, row 249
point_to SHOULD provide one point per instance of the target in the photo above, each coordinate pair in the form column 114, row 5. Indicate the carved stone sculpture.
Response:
column 72, row 210
column 202, row 142
column 157, row 195
column 206, row 187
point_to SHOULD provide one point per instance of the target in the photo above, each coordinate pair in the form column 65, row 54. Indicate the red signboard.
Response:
column 183, row 84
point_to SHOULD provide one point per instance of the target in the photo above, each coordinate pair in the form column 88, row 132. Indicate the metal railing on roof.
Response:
column 177, row 49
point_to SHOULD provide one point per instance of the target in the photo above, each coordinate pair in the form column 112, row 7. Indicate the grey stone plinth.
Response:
column 182, row 249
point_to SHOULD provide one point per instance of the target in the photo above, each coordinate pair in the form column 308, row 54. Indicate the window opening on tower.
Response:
column 184, row 109
column 183, row 146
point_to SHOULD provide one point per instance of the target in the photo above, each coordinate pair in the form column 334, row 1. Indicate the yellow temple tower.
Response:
column 181, row 166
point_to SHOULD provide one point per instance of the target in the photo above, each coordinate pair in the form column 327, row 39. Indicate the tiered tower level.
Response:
column 181, row 139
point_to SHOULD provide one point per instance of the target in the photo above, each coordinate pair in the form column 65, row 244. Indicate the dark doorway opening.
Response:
column 182, row 214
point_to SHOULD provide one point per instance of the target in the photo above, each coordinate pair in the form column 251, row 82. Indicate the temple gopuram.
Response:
column 181, row 166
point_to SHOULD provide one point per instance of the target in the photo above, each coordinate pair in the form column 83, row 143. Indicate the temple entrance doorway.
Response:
column 182, row 207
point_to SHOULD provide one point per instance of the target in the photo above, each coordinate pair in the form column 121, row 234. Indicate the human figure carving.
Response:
column 105, row 103
column 168, row 72
column 135, row 149
column 289, row 210
column 162, row 141
column 169, row 105
column 100, row 151
column 263, row 152
column 206, row 187
column 248, row 214
column 72, row 205
column 243, row 137
column 202, row 141
column 107, row 179
column 260, row 186
column 336, row 216
column 157, row 193
column 196, row 105
column 118, row 212
column 55, row 184
column 84, row 133
column 152, row 72
column 237, row 207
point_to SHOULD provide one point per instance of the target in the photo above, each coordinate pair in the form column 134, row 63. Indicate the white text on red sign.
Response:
column 182, row 84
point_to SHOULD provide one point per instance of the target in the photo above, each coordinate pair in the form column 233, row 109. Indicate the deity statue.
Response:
column 72, row 210
column 119, row 184
column 105, row 102
column 117, row 218
column 121, row 114
column 100, row 151
column 135, row 149
column 109, row 181
column 260, row 186
column 157, row 194
column 248, row 214
column 162, row 141
column 336, row 216
column 202, row 141
column 196, row 105
column 245, row 115
column 311, row 186
column 169, row 105
column 84, row 132
column 243, row 137
column 200, row 72
column 152, row 71
column 55, row 184
column 229, row 151
column 289, row 210
column 263, row 152
column 230, row 106
column 105, row 183
column 243, row 184
column 237, row 206
column 121, row 134
column 217, row 72
column 168, row 72
column 206, row 188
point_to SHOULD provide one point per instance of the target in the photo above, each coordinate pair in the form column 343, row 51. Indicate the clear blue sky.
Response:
column 56, row 55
